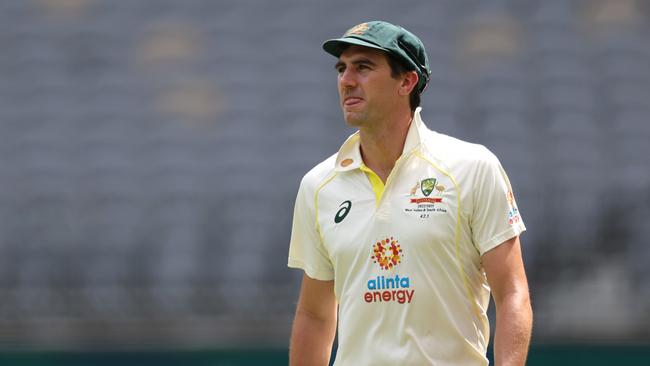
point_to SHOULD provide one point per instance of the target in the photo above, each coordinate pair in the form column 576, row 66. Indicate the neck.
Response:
column 383, row 144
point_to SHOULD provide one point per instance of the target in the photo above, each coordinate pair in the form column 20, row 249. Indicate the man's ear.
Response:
column 409, row 82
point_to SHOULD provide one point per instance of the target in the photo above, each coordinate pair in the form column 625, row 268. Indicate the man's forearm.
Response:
column 513, row 329
column 311, row 340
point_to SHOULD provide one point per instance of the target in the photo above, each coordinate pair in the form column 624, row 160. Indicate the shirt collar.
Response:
column 349, row 156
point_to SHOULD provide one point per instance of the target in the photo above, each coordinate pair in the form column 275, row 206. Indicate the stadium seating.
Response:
column 150, row 151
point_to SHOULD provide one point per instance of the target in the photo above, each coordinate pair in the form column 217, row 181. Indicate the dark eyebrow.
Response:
column 360, row 61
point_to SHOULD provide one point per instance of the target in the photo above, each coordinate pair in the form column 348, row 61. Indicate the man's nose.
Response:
column 347, row 78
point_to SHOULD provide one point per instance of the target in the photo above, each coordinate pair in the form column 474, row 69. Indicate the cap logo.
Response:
column 358, row 30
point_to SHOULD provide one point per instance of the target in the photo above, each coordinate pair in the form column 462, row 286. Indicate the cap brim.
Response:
column 336, row 46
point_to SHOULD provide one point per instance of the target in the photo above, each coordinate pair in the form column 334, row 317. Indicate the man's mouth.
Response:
column 350, row 101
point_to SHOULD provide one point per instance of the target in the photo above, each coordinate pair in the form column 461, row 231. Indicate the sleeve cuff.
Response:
column 500, row 238
column 311, row 272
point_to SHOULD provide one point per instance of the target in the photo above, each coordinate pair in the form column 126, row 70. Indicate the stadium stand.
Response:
column 150, row 152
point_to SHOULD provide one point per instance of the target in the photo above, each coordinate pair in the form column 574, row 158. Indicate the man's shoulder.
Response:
column 319, row 173
column 452, row 150
column 467, row 162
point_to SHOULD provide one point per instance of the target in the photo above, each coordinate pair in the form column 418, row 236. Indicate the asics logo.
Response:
column 343, row 211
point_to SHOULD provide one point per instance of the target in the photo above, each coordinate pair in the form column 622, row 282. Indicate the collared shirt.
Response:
column 405, row 257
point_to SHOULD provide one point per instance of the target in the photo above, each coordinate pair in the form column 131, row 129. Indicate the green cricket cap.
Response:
column 390, row 38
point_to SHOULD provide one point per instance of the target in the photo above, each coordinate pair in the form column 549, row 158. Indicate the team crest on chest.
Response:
column 425, row 197
column 427, row 186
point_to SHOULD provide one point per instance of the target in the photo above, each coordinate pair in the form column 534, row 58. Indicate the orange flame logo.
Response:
column 387, row 253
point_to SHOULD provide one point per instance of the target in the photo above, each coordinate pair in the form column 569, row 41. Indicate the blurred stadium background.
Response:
column 150, row 153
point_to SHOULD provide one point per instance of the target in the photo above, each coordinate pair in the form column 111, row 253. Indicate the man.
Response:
column 405, row 230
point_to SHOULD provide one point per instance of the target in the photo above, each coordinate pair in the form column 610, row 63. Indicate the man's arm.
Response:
column 505, row 273
column 314, row 326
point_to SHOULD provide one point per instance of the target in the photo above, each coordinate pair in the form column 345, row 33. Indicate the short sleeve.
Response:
column 495, row 216
column 306, row 249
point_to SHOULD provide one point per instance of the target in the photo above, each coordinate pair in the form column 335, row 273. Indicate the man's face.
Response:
column 366, row 89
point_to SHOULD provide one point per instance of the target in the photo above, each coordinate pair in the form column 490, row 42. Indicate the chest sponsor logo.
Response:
column 343, row 211
column 387, row 253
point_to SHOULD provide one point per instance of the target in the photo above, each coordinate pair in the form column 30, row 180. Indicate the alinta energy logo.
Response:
column 387, row 254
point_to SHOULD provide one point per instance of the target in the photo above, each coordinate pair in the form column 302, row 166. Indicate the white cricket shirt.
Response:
column 406, row 258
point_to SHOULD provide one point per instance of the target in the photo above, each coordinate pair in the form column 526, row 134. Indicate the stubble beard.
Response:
column 359, row 117
column 354, row 118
